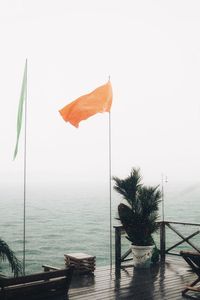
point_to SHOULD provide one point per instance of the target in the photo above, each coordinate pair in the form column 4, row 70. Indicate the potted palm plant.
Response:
column 7, row 254
column 139, row 215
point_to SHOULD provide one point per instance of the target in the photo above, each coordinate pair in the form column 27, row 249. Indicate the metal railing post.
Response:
column 162, row 241
column 117, row 248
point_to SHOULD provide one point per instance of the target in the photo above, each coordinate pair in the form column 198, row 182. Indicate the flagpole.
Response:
column 163, row 209
column 74, row 116
column 163, row 196
column 110, row 180
column 24, row 211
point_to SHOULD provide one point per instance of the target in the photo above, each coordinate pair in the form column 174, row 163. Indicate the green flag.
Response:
column 20, row 108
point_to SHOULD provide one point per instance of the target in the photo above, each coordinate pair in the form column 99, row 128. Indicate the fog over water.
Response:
column 60, row 221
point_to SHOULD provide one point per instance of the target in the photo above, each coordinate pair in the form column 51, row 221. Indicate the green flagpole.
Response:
column 23, row 106
column 25, row 135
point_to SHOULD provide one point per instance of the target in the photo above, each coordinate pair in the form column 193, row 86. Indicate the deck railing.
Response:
column 172, row 226
column 166, row 227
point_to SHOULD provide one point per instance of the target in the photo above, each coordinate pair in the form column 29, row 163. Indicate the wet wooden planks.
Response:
column 162, row 282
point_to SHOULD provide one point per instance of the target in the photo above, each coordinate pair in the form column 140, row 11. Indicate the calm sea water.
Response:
column 60, row 221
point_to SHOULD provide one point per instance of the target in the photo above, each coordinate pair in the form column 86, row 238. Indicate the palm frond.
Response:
column 128, row 187
column 7, row 254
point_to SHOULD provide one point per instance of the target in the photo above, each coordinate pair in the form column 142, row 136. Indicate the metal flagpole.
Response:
column 110, row 191
column 163, row 210
column 163, row 202
column 110, row 179
column 24, row 212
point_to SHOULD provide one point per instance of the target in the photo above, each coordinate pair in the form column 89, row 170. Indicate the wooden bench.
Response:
column 37, row 286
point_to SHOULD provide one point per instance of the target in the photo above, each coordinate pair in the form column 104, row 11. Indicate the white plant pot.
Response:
column 142, row 256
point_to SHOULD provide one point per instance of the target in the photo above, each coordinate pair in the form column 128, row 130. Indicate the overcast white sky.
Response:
column 151, row 50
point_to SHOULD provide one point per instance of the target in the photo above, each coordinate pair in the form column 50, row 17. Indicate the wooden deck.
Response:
column 161, row 282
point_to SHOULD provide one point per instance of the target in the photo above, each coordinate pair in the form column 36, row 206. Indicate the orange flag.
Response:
column 98, row 101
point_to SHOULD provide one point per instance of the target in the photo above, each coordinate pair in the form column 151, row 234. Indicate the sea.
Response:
column 62, row 220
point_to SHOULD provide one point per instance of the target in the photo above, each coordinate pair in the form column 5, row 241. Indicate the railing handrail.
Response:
column 165, row 221
column 181, row 223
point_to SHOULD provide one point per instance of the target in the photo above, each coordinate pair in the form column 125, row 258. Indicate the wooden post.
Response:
column 117, row 249
column 162, row 240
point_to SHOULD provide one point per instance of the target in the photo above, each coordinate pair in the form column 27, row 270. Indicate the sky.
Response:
column 150, row 50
